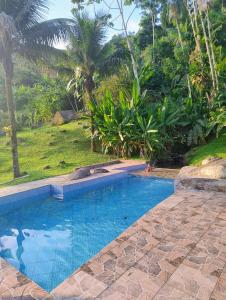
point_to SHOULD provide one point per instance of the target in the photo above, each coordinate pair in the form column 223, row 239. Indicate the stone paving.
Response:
column 160, row 172
column 176, row 251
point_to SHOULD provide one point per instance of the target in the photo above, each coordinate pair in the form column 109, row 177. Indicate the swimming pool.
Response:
column 47, row 239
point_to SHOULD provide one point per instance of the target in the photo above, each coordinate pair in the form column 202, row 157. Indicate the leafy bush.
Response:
column 218, row 120
column 25, row 119
column 194, row 122
column 39, row 103
column 131, row 125
column 124, row 127
column 114, row 84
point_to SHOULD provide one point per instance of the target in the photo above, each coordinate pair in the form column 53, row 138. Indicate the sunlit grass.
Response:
column 216, row 148
column 48, row 146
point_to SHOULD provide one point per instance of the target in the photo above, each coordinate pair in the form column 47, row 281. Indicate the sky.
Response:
column 62, row 9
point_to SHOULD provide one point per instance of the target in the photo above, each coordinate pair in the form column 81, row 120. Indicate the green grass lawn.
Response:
column 48, row 146
column 216, row 147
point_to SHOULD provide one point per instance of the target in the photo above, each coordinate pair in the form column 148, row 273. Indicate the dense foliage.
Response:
column 130, row 126
column 37, row 104
column 181, row 52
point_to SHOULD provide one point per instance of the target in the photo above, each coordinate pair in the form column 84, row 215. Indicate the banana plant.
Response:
column 167, row 118
column 194, row 123
column 147, row 140
column 123, row 127
column 218, row 120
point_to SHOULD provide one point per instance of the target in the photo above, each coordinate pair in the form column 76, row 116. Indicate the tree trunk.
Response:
column 195, row 31
column 153, row 34
column 134, row 63
column 89, row 88
column 182, row 47
column 208, row 51
column 179, row 35
column 93, row 144
column 198, row 37
column 212, row 51
column 8, row 67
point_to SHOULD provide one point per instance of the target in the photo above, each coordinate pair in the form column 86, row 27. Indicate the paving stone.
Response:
column 133, row 285
column 219, row 292
column 81, row 285
column 170, row 293
column 193, row 282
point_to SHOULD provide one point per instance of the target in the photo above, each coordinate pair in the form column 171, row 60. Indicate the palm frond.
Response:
column 25, row 13
column 114, row 61
column 31, row 12
column 37, row 52
column 88, row 36
column 48, row 32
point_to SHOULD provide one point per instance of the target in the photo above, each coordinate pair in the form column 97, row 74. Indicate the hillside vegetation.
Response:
column 217, row 147
column 43, row 152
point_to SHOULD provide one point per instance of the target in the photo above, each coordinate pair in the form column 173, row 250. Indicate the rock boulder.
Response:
column 214, row 169
column 80, row 173
column 210, row 176
column 209, row 160
column 99, row 171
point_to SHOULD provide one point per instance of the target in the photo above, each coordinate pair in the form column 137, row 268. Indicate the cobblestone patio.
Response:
column 175, row 251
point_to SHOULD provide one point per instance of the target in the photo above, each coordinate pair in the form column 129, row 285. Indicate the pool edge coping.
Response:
column 63, row 180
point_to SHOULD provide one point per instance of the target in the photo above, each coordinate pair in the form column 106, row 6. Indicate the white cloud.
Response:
column 133, row 26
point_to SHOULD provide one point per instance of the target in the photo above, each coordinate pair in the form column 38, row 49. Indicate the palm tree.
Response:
column 23, row 31
column 91, row 55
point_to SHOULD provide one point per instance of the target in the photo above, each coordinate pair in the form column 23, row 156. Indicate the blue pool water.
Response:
column 48, row 239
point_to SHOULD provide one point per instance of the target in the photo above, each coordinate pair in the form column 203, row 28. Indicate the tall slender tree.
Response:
column 91, row 54
column 207, row 47
column 211, row 42
column 151, row 9
column 176, row 10
column 189, row 4
column 24, row 31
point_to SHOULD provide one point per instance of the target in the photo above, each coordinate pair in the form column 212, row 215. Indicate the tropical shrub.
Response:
column 131, row 125
column 38, row 103
column 124, row 127
column 218, row 120
column 114, row 83
column 167, row 115
column 25, row 119
column 194, row 122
